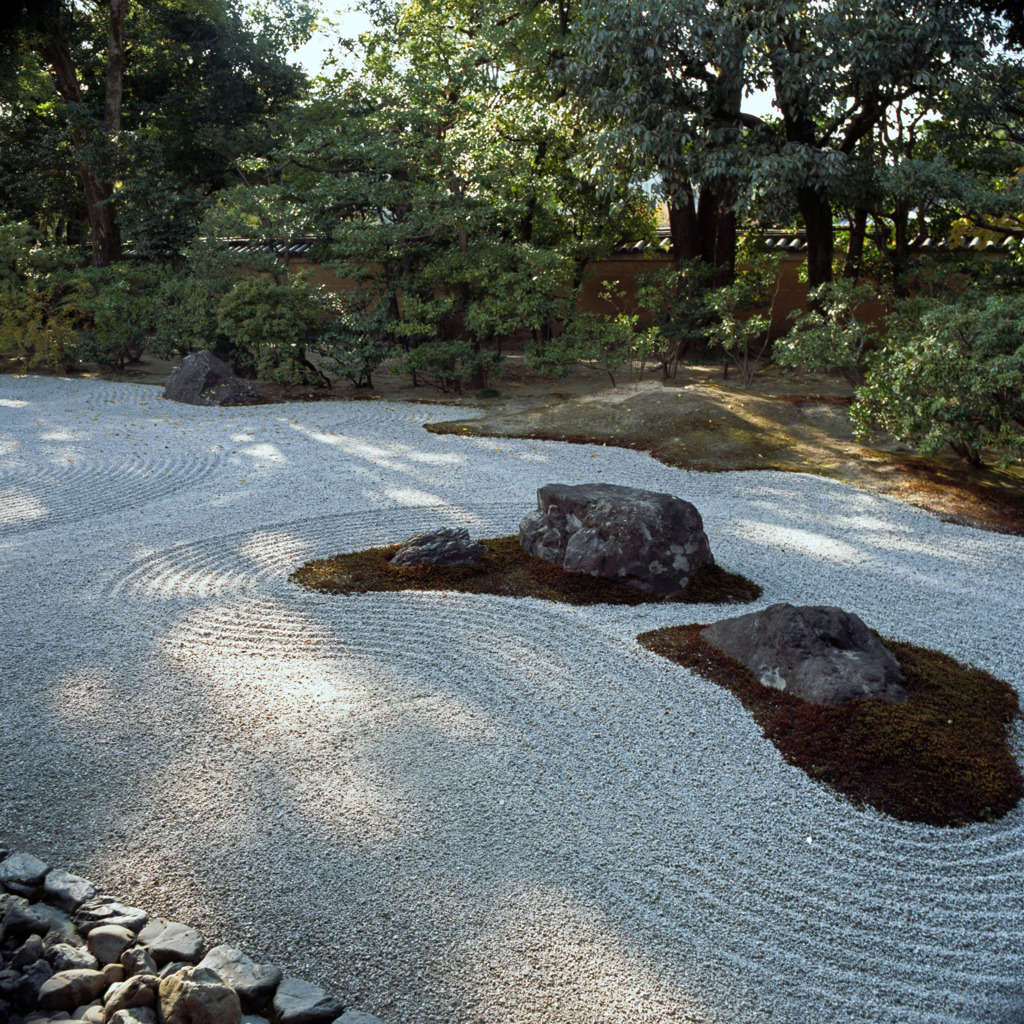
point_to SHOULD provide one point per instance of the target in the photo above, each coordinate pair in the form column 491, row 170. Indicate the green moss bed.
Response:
column 507, row 570
column 941, row 758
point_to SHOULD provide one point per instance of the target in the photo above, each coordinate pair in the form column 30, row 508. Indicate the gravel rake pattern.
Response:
column 468, row 808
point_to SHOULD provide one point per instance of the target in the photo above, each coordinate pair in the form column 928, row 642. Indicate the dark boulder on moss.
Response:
column 203, row 379
column 821, row 654
column 446, row 546
column 650, row 541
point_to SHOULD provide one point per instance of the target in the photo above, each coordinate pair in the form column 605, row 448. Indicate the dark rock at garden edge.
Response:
column 168, row 941
column 299, row 1002
column 63, row 957
column 447, row 546
column 22, row 873
column 254, row 983
column 653, row 542
column 68, row 891
column 821, row 654
column 203, row 379
column 107, row 910
column 197, row 995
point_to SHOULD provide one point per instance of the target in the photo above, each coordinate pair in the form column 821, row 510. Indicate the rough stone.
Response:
column 21, row 919
column 137, row 961
column 138, row 991
column 254, row 983
column 299, row 1002
column 94, row 1015
column 821, row 654
column 21, row 873
column 107, row 942
column 63, row 957
column 446, row 546
column 168, row 941
column 197, row 995
column 358, row 1017
column 40, row 1017
column 136, row 1015
column 68, row 989
column 653, row 542
column 10, row 985
column 33, row 978
column 168, row 969
column 104, row 910
column 27, row 953
column 203, row 379
column 67, row 891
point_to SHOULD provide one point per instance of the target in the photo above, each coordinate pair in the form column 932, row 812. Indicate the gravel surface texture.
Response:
column 453, row 808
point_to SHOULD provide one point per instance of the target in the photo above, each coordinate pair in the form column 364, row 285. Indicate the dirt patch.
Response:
column 792, row 421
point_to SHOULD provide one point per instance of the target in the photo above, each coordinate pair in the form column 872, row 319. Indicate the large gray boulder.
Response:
column 653, row 542
column 22, row 873
column 168, row 941
column 203, row 379
column 821, row 654
column 445, row 546
column 254, row 983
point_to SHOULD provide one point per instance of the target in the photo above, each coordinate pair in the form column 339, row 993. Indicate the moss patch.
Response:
column 941, row 757
column 508, row 570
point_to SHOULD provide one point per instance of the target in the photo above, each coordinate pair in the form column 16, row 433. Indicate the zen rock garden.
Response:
column 68, row 952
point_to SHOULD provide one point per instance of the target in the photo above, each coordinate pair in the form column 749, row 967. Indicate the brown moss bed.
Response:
column 506, row 569
column 941, row 758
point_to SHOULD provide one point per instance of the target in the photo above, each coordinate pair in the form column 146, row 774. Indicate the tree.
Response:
column 152, row 117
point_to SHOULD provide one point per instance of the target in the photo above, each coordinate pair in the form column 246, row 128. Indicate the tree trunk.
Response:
column 96, row 174
column 855, row 253
column 816, row 212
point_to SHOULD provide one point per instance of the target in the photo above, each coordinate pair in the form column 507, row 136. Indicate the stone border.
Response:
column 70, row 953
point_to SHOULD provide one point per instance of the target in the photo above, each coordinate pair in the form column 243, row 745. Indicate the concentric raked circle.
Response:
column 541, row 746
column 37, row 493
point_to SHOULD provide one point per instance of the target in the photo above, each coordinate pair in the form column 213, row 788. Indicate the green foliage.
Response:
column 269, row 326
column 950, row 373
column 678, row 302
column 830, row 335
column 353, row 342
column 449, row 364
column 744, row 309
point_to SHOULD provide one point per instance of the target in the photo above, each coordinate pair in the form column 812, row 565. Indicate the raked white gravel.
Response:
column 451, row 808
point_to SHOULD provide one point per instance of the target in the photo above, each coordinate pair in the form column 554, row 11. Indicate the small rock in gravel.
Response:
column 299, row 1002
column 358, row 1017
column 197, row 995
column 104, row 910
column 67, row 891
column 27, row 953
column 254, row 983
column 167, row 941
column 108, row 941
column 137, row 961
column 63, row 957
column 68, row 989
column 22, row 873
column 138, row 991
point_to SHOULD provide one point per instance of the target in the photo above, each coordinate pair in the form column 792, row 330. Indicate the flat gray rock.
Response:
column 203, row 379
column 70, row 989
column 67, row 891
column 64, row 957
column 358, row 1017
column 650, row 541
column 299, row 1002
column 445, row 546
column 821, row 654
column 21, row 873
column 254, row 983
column 107, row 910
column 168, row 941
